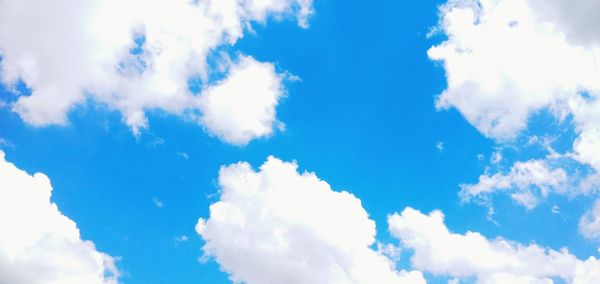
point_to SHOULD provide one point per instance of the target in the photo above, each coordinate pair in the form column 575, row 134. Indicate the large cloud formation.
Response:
column 279, row 226
column 506, row 60
column 498, row 261
column 38, row 244
column 276, row 225
column 137, row 55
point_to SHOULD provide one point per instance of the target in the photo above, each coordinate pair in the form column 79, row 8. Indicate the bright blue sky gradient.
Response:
column 362, row 117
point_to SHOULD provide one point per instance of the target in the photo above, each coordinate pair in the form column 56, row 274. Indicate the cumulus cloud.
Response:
column 132, row 56
column 441, row 252
column 527, row 181
column 506, row 60
column 276, row 225
column 39, row 244
column 242, row 106
column 503, row 64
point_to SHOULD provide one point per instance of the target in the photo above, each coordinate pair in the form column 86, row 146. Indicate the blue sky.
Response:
column 362, row 117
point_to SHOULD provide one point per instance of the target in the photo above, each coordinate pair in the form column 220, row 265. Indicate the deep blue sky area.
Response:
column 362, row 117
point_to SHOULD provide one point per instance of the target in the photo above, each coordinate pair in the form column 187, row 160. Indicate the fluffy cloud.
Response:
column 38, row 244
column 278, row 226
column 503, row 64
column 525, row 181
column 506, row 60
column 242, row 106
column 589, row 223
column 131, row 55
column 441, row 252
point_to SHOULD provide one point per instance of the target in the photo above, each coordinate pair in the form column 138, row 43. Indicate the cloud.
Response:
column 38, row 243
column 578, row 19
column 526, row 181
column 183, row 155
column 181, row 239
column 496, row 157
column 440, row 146
column 242, row 106
column 276, row 225
column 156, row 142
column 5, row 143
column 589, row 223
column 555, row 209
column 133, row 56
column 158, row 203
column 507, row 60
column 503, row 64
column 441, row 252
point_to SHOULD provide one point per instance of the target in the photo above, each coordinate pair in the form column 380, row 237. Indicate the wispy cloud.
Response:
column 181, row 239
column 440, row 146
column 158, row 203
column 184, row 155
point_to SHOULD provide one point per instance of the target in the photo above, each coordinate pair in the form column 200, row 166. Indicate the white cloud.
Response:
column 68, row 53
column 555, row 209
column 589, row 223
column 158, row 203
column 441, row 252
column 242, row 106
column 258, row 9
column 440, row 146
column 157, row 142
column 38, row 244
column 278, row 226
column 526, row 181
column 480, row 157
column 503, row 64
column 5, row 143
column 587, row 143
column 506, row 60
column 496, row 157
column 183, row 155
column 181, row 239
